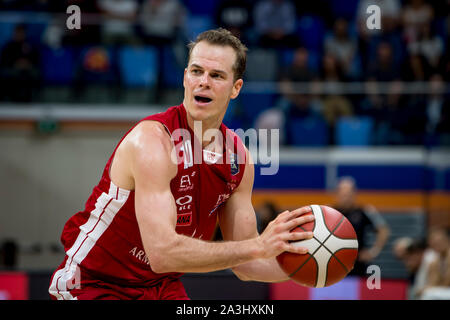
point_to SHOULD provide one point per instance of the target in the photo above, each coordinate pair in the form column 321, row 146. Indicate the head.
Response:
column 400, row 247
column 300, row 58
column 384, row 53
column 437, row 84
column 20, row 33
column 414, row 255
column 439, row 240
column 341, row 28
column 213, row 75
column 346, row 192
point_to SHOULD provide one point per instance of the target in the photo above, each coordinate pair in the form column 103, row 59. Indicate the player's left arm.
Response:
column 382, row 233
column 237, row 221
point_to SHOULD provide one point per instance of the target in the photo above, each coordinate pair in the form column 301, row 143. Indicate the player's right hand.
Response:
column 276, row 237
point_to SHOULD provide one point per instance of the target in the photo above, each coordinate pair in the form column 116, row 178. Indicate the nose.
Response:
column 204, row 80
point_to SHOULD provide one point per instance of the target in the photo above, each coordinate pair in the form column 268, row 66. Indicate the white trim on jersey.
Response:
column 106, row 207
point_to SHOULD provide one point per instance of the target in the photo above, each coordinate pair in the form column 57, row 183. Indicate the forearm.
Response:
column 264, row 270
column 186, row 254
column 380, row 241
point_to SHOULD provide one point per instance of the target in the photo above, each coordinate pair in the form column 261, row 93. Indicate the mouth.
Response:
column 202, row 100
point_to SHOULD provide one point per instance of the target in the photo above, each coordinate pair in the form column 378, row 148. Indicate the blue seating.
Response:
column 138, row 66
column 57, row 65
column 196, row 24
column 287, row 57
column 197, row 7
column 6, row 31
column 172, row 77
column 354, row 131
column 254, row 103
column 98, row 65
column 344, row 8
column 262, row 65
column 308, row 132
column 35, row 31
column 311, row 30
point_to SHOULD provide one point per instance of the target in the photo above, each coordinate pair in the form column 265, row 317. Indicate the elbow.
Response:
column 158, row 265
column 159, row 259
column 241, row 275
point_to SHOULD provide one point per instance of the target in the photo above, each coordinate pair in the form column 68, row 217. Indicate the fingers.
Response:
column 296, row 247
column 299, row 221
column 288, row 215
column 297, row 236
column 297, row 250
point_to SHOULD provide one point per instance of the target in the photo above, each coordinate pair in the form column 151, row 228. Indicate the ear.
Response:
column 236, row 88
column 184, row 77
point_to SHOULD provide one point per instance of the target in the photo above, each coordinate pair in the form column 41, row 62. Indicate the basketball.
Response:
column 331, row 252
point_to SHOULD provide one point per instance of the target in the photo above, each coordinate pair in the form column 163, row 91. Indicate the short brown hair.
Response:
column 223, row 37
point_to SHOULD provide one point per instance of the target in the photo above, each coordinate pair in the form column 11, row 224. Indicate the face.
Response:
column 345, row 193
column 209, row 82
column 438, row 241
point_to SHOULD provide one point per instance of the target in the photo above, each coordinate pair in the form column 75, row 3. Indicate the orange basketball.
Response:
column 332, row 250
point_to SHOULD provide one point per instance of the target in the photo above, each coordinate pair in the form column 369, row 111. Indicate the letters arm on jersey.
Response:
column 237, row 221
column 152, row 169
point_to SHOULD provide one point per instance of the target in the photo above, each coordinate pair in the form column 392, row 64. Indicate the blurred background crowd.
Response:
column 315, row 71
column 317, row 66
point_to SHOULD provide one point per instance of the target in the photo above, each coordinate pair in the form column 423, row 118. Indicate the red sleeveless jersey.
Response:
column 103, row 241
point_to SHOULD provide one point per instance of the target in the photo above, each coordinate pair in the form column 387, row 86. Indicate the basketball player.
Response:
column 150, row 218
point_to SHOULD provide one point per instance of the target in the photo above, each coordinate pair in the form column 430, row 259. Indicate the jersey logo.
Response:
column 188, row 158
column 220, row 200
column 184, row 219
column 234, row 164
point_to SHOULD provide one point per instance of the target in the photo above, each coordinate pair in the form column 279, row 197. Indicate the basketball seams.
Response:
column 340, row 260
column 321, row 244
column 326, row 265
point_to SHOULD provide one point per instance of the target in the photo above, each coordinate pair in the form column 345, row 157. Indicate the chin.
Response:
column 199, row 113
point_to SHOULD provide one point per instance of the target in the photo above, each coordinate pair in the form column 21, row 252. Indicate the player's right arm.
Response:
column 150, row 168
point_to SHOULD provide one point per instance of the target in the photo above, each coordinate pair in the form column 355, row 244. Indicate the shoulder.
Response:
column 150, row 148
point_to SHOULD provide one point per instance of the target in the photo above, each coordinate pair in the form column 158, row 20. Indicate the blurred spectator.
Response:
column 299, row 70
column 362, row 218
column 275, row 23
column 415, row 15
column 160, row 20
column 333, row 104
column 400, row 247
column 341, row 46
column 296, row 82
column 436, row 105
column 272, row 119
column 429, row 45
column 416, row 257
column 438, row 280
column 384, row 67
column 417, row 260
column 390, row 13
column 319, row 8
column 19, row 67
column 235, row 16
column 416, row 68
column 118, row 21
column 404, row 115
column 390, row 16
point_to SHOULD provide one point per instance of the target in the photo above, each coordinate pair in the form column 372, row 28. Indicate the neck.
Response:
column 199, row 127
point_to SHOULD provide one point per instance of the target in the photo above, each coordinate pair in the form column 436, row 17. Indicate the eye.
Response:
column 195, row 71
column 216, row 76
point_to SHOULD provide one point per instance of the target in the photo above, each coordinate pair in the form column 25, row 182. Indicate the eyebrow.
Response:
column 194, row 65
